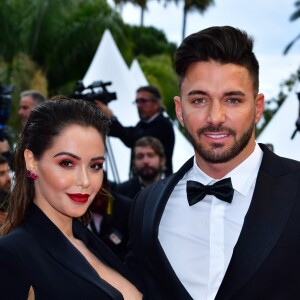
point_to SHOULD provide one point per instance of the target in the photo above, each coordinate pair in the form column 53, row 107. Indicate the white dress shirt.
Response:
column 198, row 240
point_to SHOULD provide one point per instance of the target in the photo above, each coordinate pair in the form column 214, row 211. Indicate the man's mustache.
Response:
column 213, row 129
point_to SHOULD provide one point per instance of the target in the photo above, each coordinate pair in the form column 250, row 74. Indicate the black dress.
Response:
column 37, row 254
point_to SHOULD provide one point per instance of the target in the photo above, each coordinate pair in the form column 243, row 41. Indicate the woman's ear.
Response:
column 30, row 160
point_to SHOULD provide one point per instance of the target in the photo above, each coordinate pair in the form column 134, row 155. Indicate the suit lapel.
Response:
column 265, row 220
column 154, row 209
column 59, row 248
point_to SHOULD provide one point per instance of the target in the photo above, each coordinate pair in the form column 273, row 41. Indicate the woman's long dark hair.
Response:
column 45, row 123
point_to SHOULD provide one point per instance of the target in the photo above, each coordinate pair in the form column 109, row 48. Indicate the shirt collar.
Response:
column 242, row 177
column 151, row 119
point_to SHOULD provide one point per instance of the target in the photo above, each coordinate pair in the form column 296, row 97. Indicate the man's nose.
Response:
column 216, row 114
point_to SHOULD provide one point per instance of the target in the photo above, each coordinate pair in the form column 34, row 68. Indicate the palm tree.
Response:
column 49, row 44
column 189, row 5
column 293, row 17
column 61, row 36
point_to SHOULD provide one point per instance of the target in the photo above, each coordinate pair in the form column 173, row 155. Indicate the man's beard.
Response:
column 149, row 175
column 211, row 155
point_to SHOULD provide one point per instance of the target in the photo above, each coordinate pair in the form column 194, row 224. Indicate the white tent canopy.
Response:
column 108, row 65
column 279, row 130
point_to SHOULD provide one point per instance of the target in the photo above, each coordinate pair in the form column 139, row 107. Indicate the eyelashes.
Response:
column 69, row 164
column 66, row 163
column 97, row 166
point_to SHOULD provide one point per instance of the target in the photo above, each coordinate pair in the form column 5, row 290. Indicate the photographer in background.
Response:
column 28, row 101
column 152, row 123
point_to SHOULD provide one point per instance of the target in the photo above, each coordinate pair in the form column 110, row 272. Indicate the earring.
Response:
column 31, row 175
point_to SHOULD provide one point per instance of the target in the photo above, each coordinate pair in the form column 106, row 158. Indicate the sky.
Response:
column 266, row 20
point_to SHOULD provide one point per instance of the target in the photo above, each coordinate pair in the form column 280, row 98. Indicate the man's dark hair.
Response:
column 37, row 96
column 223, row 44
column 150, row 89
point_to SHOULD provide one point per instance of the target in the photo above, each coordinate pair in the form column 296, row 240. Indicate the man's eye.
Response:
column 233, row 100
column 199, row 100
column 66, row 163
column 97, row 166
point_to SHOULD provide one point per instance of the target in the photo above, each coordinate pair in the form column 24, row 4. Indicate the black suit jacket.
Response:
column 161, row 128
column 129, row 188
column 37, row 254
column 266, row 259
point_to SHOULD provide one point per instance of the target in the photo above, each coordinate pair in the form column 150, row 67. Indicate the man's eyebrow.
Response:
column 197, row 92
column 77, row 157
column 233, row 93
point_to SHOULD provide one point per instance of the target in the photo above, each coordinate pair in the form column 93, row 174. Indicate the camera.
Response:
column 5, row 104
column 95, row 91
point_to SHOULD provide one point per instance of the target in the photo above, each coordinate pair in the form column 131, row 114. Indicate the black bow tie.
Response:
column 222, row 189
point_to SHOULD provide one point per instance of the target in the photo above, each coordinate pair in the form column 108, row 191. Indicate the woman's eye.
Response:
column 97, row 166
column 66, row 163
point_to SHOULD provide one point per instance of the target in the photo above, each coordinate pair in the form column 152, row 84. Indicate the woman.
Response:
column 45, row 251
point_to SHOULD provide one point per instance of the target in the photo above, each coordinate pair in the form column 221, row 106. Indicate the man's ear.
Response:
column 178, row 110
column 30, row 160
column 259, row 107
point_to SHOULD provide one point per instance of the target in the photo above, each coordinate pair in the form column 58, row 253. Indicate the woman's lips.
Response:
column 81, row 198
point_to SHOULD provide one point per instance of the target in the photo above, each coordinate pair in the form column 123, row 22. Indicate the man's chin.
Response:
column 148, row 175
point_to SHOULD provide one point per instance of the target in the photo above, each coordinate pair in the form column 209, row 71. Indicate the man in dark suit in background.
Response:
column 227, row 224
column 148, row 166
column 152, row 122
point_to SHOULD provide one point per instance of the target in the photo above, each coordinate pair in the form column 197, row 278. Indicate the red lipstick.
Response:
column 81, row 198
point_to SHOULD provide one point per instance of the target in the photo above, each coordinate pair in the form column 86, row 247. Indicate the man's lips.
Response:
column 81, row 198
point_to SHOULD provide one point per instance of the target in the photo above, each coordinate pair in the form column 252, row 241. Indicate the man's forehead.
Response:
column 27, row 100
column 144, row 149
column 144, row 94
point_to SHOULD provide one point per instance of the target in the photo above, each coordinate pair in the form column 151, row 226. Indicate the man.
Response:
column 28, row 101
column 186, row 241
column 152, row 123
column 5, row 186
column 148, row 166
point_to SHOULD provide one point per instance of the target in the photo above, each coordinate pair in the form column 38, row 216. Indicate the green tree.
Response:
column 52, row 41
column 49, row 44
column 149, row 41
column 159, row 72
